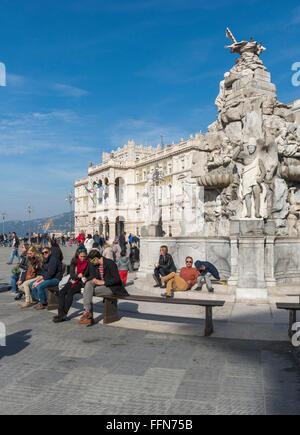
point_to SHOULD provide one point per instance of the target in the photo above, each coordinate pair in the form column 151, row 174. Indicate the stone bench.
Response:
column 292, row 308
column 111, row 307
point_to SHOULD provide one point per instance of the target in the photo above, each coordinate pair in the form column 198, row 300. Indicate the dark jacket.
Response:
column 52, row 268
column 56, row 252
column 111, row 278
column 208, row 268
column 96, row 238
column 134, row 254
column 17, row 243
column 89, row 272
column 24, row 267
column 167, row 263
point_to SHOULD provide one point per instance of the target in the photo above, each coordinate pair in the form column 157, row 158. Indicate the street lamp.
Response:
column 70, row 200
column 29, row 211
column 3, row 214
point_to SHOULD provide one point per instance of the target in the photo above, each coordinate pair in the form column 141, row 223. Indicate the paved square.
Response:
column 68, row 369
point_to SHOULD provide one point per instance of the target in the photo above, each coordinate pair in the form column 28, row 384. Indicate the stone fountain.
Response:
column 247, row 168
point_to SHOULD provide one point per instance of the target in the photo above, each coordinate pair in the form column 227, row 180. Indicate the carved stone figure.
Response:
column 253, row 175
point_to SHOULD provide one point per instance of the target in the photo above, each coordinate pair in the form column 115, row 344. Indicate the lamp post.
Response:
column 3, row 214
column 70, row 200
column 29, row 211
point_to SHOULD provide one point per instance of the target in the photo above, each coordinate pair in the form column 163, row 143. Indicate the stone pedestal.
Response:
column 152, row 230
column 251, row 271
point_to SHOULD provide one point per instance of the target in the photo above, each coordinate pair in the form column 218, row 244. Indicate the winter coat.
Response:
column 111, row 277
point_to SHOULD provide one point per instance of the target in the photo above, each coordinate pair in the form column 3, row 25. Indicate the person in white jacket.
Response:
column 88, row 244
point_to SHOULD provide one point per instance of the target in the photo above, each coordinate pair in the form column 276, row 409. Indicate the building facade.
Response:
column 115, row 195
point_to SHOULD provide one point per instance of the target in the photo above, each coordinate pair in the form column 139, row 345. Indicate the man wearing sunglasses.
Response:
column 106, row 282
column 183, row 282
column 51, row 275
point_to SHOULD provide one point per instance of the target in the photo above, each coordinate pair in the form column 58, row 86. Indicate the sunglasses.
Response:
column 189, row 262
column 45, row 252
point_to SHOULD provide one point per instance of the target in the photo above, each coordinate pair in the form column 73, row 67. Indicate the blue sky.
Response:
column 85, row 76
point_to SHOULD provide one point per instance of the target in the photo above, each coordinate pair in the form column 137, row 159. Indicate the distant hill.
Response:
column 61, row 223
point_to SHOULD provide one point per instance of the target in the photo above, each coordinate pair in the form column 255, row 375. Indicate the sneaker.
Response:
column 164, row 295
column 86, row 319
column 40, row 306
column 210, row 290
column 19, row 296
column 27, row 305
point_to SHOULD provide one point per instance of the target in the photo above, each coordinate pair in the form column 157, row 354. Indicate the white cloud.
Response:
column 70, row 91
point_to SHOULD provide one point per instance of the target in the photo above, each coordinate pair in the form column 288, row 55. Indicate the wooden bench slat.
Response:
column 287, row 306
column 180, row 301
column 111, row 307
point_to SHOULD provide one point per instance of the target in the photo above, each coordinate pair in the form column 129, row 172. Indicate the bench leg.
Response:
column 53, row 300
column 209, row 328
column 110, row 311
column 292, row 320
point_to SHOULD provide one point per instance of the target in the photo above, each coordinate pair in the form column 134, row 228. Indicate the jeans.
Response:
column 205, row 278
column 13, row 281
column 91, row 290
column 14, row 253
column 40, row 292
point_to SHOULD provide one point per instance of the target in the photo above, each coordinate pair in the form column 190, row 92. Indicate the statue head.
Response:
column 251, row 145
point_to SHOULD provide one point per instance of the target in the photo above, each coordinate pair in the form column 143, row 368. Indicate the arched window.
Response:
column 120, row 226
column 119, row 190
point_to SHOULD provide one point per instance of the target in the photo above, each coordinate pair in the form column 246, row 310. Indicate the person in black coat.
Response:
column 81, row 271
column 106, row 282
column 164, row 266
column 55, row 249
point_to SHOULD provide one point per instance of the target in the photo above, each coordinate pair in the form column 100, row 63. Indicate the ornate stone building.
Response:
column 116, row 193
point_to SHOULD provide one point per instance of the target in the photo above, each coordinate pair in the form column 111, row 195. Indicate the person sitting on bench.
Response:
column 52, row 273
column 187, row 279
column 81, row 271
column 206, row 270
column 164, row 266
column 106, row 282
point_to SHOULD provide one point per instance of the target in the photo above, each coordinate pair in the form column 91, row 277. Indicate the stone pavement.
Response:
column 68, row 369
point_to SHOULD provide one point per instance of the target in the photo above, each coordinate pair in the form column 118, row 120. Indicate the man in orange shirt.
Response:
column 187, row 278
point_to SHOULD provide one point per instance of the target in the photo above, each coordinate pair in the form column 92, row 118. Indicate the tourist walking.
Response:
column 88, row 243
column 108, row 252
column 124, row 267
column 134, row 255
column 15, row 243
column 116, row 250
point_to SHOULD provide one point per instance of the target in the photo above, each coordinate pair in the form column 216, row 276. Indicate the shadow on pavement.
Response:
column 4, row 287
column 15, row 343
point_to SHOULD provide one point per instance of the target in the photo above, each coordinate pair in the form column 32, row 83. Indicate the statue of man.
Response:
column 253, row 175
